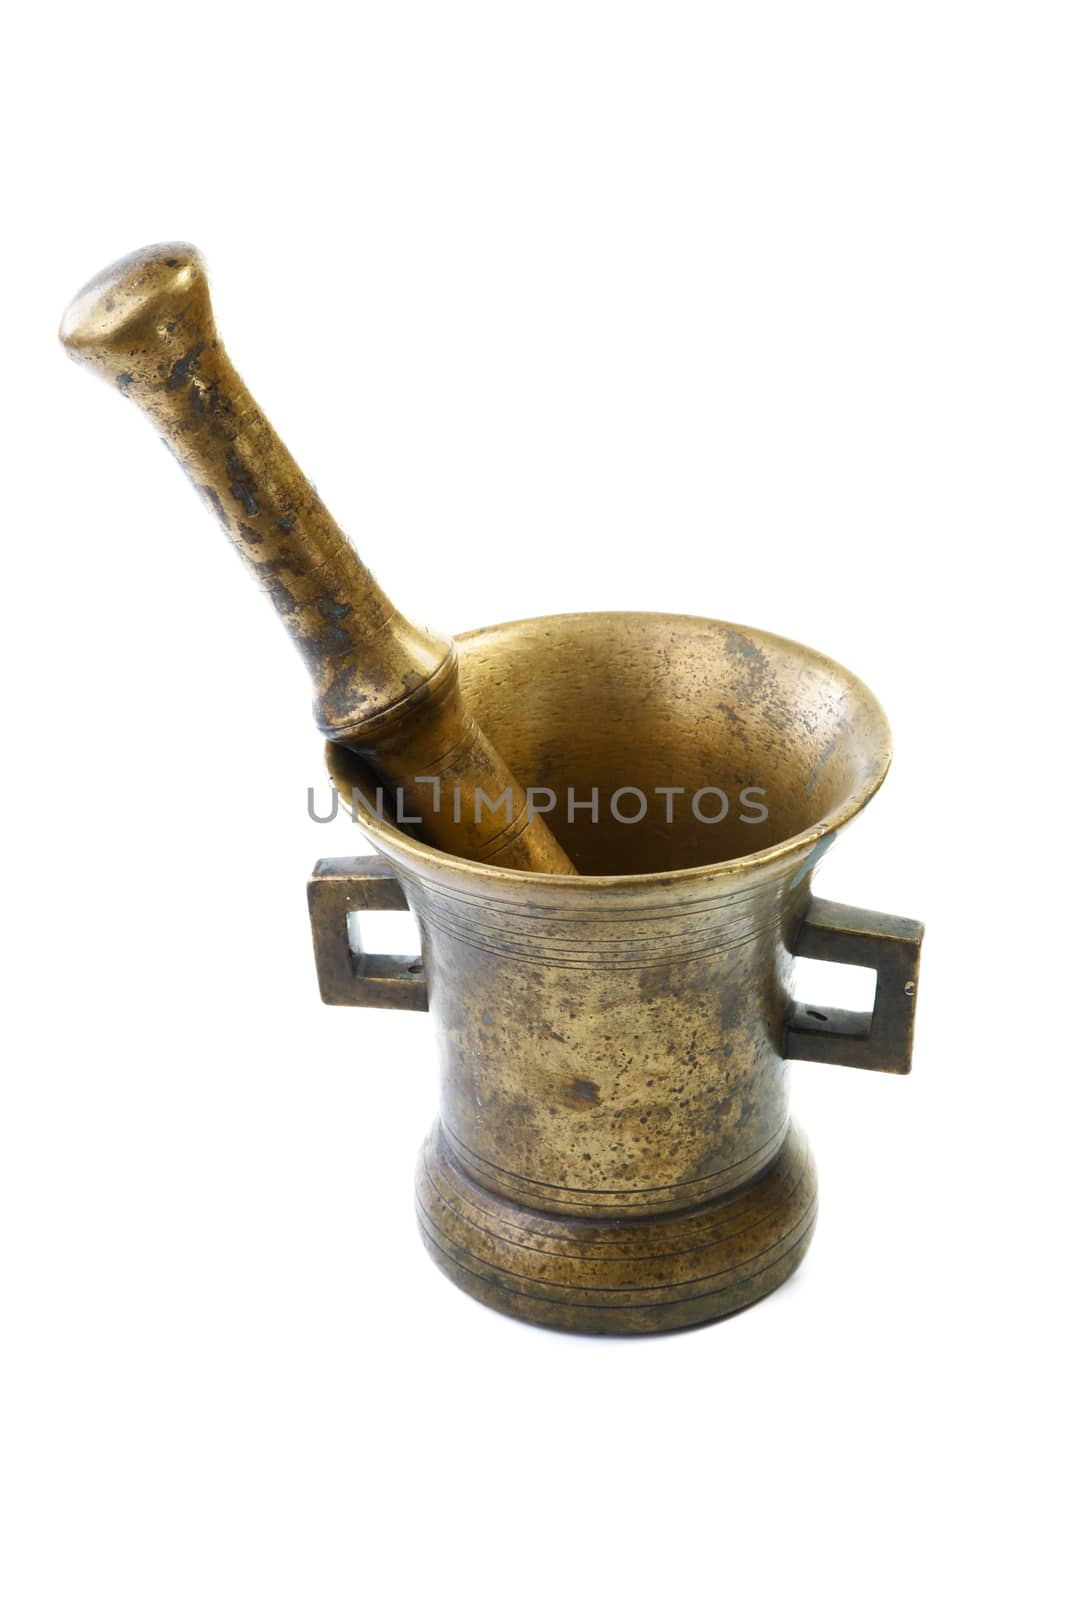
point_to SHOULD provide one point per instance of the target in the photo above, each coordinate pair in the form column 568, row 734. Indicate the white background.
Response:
column 755, row 311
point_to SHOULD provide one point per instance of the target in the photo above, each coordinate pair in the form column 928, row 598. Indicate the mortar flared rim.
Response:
column 807, row 844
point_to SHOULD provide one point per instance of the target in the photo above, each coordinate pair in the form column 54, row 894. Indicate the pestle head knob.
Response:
column 126, row 321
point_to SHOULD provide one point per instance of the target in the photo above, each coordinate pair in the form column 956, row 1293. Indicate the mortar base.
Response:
column 645, row 1276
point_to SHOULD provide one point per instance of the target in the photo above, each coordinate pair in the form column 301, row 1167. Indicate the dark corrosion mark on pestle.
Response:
column 242, row 486
column 184, row 367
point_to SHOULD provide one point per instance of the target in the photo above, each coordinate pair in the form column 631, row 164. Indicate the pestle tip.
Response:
column 136, row 302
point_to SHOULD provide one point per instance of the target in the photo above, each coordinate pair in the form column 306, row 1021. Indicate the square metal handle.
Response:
column 879, row 1040
column 348, row 976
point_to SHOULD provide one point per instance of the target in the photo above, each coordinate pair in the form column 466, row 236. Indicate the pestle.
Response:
column 384, row 687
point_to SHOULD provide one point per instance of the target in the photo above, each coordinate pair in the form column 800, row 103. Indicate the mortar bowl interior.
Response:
column 640, row 701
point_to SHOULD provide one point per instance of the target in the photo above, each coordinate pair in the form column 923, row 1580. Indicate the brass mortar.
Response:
column 614, row 1151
